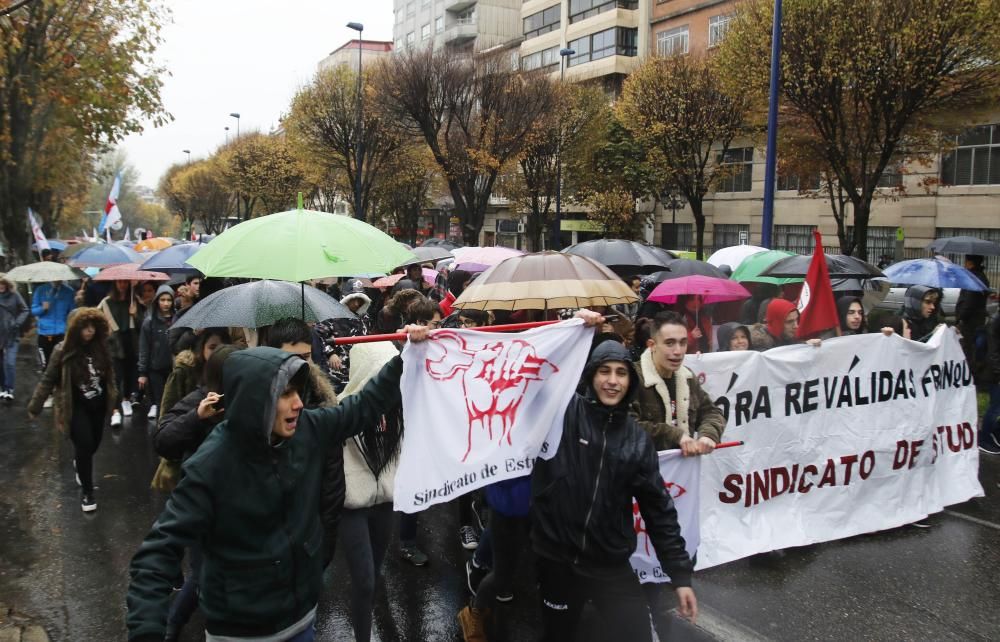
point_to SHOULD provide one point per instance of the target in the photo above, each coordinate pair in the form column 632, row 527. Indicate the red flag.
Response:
column 817, row 309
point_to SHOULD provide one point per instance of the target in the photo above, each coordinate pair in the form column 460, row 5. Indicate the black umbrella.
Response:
column 446, row 244
column 624, row 257
column 173, row 259
column 840, row 266
column 687, row 267
column 261, row 303
column 964, row 245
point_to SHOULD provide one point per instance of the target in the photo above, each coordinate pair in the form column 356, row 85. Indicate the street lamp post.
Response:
column 358, row 156
column 236, row 115
column 672, row 201
column 770, row 162
column 188, row 152
column 227, row 134
column 556, row 236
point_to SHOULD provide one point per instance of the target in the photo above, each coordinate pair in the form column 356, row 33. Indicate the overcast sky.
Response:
column 246, row 56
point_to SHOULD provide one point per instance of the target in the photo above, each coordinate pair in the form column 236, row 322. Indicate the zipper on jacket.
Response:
column 288, row 535
column 597, row 484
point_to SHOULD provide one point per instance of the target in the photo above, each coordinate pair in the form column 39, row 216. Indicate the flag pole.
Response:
column 399, row 336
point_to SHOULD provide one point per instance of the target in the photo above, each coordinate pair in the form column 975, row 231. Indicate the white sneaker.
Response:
column 5, row 395
column 127, row 408
column 48, row 403
column 152, row 412
column 116, row 419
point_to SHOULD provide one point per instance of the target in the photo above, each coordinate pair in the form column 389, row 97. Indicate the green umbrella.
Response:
column 299, row 245
column 750, row 269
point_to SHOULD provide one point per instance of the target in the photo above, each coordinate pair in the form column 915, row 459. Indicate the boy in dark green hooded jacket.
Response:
column 249, row 497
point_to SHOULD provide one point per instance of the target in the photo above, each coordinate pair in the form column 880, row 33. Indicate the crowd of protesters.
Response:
column 278, row 446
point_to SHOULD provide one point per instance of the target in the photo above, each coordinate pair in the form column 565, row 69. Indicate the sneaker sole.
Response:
column 505, row 599
column 470, row 546
column 989, row 451
column 89, row 508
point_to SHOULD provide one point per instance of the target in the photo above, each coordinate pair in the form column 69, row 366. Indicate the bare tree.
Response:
column 476, row 114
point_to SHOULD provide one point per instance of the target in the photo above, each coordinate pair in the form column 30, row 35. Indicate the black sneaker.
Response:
column 474, row 574
column 413, row 555
column 87, row 503
column 505, row 598
column 470, row 540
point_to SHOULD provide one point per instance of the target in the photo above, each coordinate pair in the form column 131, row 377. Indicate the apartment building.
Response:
column 347, row 54
column 461, row 25
column 957, row 193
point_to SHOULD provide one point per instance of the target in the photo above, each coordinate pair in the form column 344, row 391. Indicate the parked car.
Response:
column 893, row 302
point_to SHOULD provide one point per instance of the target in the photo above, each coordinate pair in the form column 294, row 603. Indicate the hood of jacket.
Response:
column 366, row 302
column 154, row 305
column 777, row 311
column 726, row 332
column 605, row 352
column 11, row 285
column 253, row 381
column 913, row 301
column 843, row 304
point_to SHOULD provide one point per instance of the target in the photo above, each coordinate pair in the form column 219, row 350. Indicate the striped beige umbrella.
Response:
column 545, row 280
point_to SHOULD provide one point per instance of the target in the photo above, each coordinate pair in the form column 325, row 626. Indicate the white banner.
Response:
column 861, row 434
column 680, row 478
column 478, row 407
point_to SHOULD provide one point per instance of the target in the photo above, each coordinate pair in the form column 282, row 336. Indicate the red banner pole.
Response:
column 728, row 444
column 400, row 336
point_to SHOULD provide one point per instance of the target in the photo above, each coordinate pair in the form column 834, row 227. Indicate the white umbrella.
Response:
column 44, row 272
column 733, row 256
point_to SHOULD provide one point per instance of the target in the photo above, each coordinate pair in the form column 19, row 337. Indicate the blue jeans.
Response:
column 992, row 415
column 9, row 362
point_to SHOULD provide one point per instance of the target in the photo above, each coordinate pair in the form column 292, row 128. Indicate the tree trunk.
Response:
column 698, row 211
column 862, row 212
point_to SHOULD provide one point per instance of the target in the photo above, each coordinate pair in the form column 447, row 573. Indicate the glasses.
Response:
column 467, row 323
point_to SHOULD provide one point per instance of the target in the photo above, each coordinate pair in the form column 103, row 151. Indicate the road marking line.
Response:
column 974, row 520
column 724, row 628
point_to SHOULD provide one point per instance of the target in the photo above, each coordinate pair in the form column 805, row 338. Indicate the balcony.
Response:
column 461, row 31
column 456, row 6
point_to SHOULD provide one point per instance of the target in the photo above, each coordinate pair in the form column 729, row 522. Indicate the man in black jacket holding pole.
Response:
column 582, row 526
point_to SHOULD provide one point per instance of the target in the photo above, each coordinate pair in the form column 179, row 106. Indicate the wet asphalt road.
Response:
column 69, row 570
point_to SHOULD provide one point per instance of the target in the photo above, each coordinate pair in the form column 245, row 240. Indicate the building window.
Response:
column 672, row 41
column 729, row 235
column 798, row 183
column 975, row 159
column 892, row 176
column 410, row 37
column 542, row 22
column 616, row 41
column 425, row 32
column 794, row 238
column 399, row 17
column 410, row 10
column 583, row 9
column 677, row 236
column 438, row 24
column 467, row 17
column 547, row 59
column 881, row 242
column 399, row 43
column 738, row 166
column 717, row 27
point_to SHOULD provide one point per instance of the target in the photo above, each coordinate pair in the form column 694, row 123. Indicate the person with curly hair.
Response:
column 82, row 374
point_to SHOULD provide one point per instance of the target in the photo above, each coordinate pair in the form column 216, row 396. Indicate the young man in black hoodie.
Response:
column 582, row 527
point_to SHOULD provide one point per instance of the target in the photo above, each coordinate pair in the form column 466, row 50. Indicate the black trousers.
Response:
column 86, row 428
column 510, row 537
column 46, row 344
column 614, row 592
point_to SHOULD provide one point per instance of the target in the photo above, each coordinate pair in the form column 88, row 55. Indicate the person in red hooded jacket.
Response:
column 780, row 326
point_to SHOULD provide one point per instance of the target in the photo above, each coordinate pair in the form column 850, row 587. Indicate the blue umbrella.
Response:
column 58, row 246
column 173, row 259
column 935, row 273
column 104, row 254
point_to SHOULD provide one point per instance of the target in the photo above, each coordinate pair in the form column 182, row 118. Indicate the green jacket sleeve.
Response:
column 360, row 411
column 189, row 512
